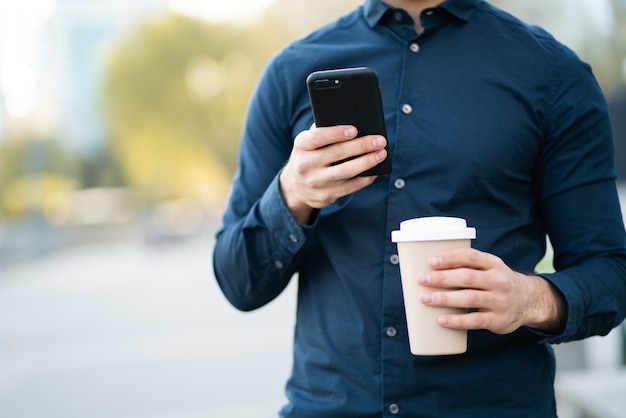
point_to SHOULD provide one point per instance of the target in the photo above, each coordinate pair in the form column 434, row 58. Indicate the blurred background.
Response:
column 119, row 126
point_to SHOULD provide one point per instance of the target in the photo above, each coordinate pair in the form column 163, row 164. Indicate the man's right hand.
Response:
column 311, row 181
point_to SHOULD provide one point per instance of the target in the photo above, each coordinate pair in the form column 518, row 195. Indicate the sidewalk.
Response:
column 592, row 393
column 124, row 331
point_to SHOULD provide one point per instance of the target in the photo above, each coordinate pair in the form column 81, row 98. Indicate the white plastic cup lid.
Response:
column 434, row 228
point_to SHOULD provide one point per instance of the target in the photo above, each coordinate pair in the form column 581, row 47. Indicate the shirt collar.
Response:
column 462, row 9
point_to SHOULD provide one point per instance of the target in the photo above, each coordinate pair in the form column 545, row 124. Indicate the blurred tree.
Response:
column 32, row 171
column 175, row 95
column 101, row 169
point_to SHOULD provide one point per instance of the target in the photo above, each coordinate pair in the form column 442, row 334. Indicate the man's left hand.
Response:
column 504, row 299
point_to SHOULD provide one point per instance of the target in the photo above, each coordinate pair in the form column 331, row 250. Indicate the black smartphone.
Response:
column 349, row 96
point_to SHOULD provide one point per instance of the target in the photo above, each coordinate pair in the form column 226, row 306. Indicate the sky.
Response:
column 19, row 23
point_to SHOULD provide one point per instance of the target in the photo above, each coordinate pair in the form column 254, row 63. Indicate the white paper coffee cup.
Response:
column 419, row 239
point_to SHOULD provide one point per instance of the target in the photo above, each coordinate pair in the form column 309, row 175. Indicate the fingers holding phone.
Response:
column 325, row 164
column 342, row 144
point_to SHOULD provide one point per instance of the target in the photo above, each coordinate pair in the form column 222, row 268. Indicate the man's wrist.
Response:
column 551, row 308
column 302, row 213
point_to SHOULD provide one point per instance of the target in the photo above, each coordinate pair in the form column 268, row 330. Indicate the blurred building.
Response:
column 81, row 33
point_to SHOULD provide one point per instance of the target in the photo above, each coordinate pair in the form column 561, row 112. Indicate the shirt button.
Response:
column 391, row 332
column 394, row 259
column 407, row 109
column 399, row 183
column 394, row 409
column 398, row 17
column 293, row 238
column 414, row 47
column 278, row 264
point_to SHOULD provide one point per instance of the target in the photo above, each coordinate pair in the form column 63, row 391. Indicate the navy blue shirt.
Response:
column 489, row 119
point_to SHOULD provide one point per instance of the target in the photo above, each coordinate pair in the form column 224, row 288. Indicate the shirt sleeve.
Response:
column 257, row 247
column 579, row 203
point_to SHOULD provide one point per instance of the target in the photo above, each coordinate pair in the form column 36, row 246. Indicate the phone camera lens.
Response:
column 326, row 83
column 320, row 84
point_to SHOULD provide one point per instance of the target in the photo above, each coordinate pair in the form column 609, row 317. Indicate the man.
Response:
column 488, row 119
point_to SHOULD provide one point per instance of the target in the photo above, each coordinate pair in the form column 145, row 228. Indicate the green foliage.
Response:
column 545, row 265
column 31, row 171
column 100, row 169
column 22, row 156
column 175, row 95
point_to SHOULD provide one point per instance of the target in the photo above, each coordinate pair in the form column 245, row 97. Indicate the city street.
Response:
column 127, row 331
